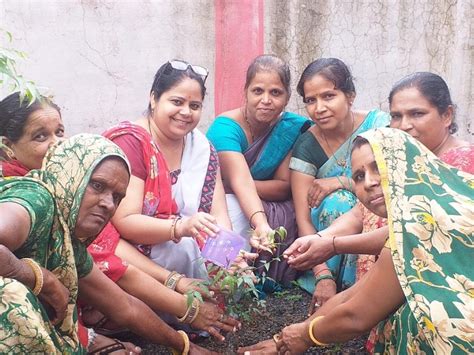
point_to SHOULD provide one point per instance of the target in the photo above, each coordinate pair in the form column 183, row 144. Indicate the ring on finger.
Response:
column 221, row 318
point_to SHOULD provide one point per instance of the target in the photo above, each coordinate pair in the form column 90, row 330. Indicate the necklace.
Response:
column 154, row 138
column 342, row 161
column 244, row 114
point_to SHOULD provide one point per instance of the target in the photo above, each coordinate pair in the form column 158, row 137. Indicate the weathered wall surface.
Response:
column 99, row 56
column 381, row 41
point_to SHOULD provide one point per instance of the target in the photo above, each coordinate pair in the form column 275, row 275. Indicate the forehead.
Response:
column 187, row 88
column 408, row 98
column 362, row 156
column 42, row 117
column 318, row 83
column 266, row 77
column 111, row 167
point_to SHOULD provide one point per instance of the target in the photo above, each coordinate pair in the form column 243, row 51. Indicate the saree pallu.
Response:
column 343, row 266
column 263, row 157
column 430, row 208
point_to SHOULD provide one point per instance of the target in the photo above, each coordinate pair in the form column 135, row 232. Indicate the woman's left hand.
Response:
column 294, row 339
column 186, row 284
column 210, row 318
column 320, row 188
column 267, row 347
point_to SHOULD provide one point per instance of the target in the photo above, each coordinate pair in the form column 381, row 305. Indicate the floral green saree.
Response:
column 52, row 196
column 430, row 207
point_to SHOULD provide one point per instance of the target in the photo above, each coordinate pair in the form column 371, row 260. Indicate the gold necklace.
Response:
column 342, row 162
column 244, row 114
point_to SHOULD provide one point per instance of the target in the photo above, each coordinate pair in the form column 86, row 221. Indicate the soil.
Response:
column 287, row 307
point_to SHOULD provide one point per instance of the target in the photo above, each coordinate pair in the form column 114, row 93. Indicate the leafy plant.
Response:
column 9, row 76
column 237, row 291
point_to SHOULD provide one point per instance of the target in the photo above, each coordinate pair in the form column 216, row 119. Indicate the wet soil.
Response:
column 287, row 307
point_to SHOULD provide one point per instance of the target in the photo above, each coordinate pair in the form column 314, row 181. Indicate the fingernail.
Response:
column 235, row 329
column 211, row 293
column 247, row 353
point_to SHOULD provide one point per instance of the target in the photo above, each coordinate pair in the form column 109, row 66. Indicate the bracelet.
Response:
column 310, row 331
column 39, row 278
column 191, row 312
column 323, row 277
column 186, row 344
column 253, row 214
column 173, row 279
column 174, row 237
column 320, row 271
column 334, row 245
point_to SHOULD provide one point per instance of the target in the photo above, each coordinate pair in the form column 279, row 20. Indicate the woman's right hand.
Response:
column 211, row 318
column 54, row 296
column 186, row 284
column 198, row 223
column 323, row 291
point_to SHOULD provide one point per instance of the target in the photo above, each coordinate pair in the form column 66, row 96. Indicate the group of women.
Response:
column 144, row 205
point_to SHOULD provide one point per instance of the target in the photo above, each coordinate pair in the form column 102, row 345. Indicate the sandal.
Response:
column 108, row 349
column 101, row 328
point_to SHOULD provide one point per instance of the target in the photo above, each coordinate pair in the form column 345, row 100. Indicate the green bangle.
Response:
column 323, row 277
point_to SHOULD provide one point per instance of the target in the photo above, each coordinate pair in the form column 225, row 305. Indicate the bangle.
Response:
column 253, row 214
column 173, row 279
column 323, row 277
column 186, row 344
column 191, row 312
column 334, row 245
column 320, row 271
column 174, row 237
column 39, row 278
column 310, row 331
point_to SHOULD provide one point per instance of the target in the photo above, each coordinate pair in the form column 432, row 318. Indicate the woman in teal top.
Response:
column 254, row 144
column 321, row 169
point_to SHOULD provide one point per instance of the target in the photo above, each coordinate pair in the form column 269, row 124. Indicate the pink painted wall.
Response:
column 239, row 39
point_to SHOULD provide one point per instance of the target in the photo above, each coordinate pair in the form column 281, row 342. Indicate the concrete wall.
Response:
column 99, row 57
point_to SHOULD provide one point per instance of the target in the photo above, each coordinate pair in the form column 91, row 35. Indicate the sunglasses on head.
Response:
column 183, row 66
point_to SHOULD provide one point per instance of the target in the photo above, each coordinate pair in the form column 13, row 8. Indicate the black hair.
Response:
column 358, row 142
column 269, row 62
column 14, row 112
column 167, row 77
column 432, row 87
column 332, row 69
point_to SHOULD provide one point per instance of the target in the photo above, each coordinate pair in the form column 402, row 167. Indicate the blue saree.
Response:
column 343, row 266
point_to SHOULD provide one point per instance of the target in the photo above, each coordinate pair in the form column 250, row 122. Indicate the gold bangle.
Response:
column 174, row 238
column 191, row 312
column 186, row 344
column 310, row 331
column 39, row 278
column 173, row 279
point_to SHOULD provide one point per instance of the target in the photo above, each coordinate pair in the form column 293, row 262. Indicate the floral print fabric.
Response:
column 430, row 208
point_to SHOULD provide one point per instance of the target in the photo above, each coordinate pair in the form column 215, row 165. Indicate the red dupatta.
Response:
column 157, row 200
column 12, row 168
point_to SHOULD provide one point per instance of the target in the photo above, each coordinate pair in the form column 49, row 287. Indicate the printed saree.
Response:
column 430, row 216
column 263, row 158
column 343, row 266
column 52, row 197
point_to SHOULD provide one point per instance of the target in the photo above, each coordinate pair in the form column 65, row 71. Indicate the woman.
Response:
column 49, row 217
column 424, row 304
column 421, row 105
column 28, row 130
column 254, row 144
column 321, row 169
column 175, row 197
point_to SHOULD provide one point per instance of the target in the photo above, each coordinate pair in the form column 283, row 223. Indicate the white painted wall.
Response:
column 99, row 57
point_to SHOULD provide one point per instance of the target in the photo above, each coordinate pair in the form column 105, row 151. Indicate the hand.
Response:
column 294, row 339
column 323, row 291
column 267, row 347
column 210, row 318
column 186, row 284
column 198, row 226
column 241, row 266
column 54, row 297
column 320, row 188
column 197, row 350
column 308, row 251
column 259, row 239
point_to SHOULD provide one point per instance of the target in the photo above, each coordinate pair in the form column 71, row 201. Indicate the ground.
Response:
column 282, row 309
